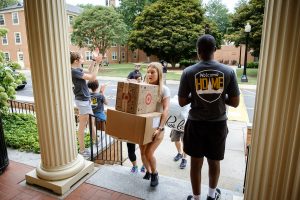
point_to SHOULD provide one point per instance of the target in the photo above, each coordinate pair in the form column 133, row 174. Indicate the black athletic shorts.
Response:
column 205, row 139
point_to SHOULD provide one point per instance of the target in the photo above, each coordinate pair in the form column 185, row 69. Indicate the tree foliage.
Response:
column 130, row 9
column 217, row 12
column 253, row 12
column 169, row 29
column 99, row 27
column 6, row 3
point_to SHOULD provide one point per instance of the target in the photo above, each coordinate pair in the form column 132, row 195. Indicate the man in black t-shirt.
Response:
column 209, row 86
column 136, row 73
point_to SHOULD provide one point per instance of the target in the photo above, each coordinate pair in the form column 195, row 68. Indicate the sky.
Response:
column 228, row 3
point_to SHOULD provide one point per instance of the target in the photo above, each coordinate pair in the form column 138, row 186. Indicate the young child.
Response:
column 98, row 100
column 177, row 137
column 82, row 94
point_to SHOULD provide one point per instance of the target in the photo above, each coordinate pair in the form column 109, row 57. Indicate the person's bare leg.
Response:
column 195, row 174
column 94, row 134
column 213, row 172
column 83, row 119
column 150, row 154
column 178, row 147
column 144, row 159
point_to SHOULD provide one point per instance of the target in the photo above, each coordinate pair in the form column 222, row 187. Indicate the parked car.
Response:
column 24, row 82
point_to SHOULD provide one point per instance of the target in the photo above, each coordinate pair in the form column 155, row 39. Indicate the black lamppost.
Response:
column 247, row 31
column 239, row 64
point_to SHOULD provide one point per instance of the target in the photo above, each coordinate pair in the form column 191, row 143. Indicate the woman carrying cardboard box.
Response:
column 155, row 76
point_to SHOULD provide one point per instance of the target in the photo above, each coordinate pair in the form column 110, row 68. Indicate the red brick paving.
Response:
column 15, row 173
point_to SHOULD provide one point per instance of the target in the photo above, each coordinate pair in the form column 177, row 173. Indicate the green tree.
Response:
column 130, row 9
column 217, row 12
column 168, row 29
column 8, row 80
column 99, row 27
column 6, row 3
column 253, row 12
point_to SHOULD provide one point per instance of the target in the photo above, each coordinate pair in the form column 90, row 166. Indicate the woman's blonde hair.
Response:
column 158, row 67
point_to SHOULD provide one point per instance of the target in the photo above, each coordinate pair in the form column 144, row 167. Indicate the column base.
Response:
column 62, row 186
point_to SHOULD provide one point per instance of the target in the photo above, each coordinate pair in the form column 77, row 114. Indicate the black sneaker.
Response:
column 147, row 176
column 178, row 157
column 217, row 195
column 154, row 180
column 183, row 163
column 190, row 197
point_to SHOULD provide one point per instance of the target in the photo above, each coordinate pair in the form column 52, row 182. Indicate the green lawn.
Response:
column 251, row 75
column 122, row 70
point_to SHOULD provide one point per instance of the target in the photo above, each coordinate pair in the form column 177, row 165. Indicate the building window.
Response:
column 5, row 40
column 88, row 56
column 134, row 55
column 18, row 38
column 123, row 55
column 15, row 18
column 114, row 55
column 2, row 20
column 20, row 57
column 6, row 56
column 71, row 19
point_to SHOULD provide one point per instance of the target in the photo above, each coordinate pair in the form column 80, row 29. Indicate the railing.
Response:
column 21, row 107
column 109, row 150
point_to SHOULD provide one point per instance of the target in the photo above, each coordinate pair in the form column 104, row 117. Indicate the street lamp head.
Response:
column 248, row 28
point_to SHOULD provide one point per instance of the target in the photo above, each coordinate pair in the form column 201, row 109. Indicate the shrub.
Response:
column 233, row 62
column 8, row 80
column 20, row 132
column 226, row 62
column 252, row 65
column 185, row 63
column 13, row 65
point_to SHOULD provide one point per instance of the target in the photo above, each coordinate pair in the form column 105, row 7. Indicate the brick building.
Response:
column 15, row 48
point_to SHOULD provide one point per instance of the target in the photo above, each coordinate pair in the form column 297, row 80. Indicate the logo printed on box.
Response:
column 148, row 99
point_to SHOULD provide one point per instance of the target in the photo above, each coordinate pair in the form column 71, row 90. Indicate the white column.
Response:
column 51, row 76
column 274, row 168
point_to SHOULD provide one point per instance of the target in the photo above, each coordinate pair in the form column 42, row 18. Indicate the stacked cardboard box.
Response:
column 134, row 119
column 132, row 128
column 136, row 98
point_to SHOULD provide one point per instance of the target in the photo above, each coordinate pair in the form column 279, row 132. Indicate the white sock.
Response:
column 211, row 192
column 196, row 197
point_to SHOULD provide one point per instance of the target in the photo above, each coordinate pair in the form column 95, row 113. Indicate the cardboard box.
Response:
column 136, row 98
column 132, row 128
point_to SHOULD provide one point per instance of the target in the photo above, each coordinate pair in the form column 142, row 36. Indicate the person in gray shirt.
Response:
column 208, row 86
column 82, row 94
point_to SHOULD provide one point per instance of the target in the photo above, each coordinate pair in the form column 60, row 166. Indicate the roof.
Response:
column 69, row 8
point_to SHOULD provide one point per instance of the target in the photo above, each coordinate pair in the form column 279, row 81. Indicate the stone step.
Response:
column 119, row 178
